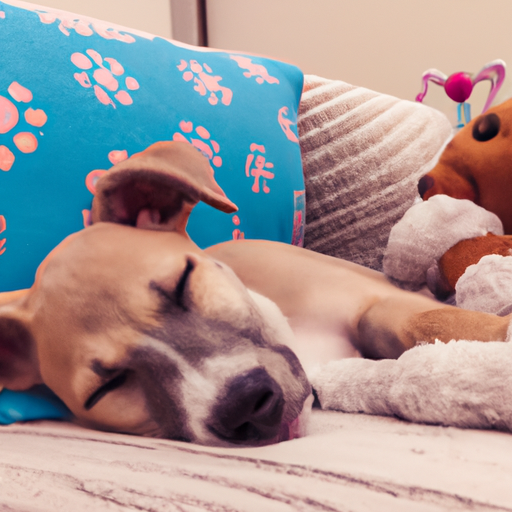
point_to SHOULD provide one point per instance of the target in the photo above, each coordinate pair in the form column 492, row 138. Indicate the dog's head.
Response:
column 138, row 331
column 477, row 164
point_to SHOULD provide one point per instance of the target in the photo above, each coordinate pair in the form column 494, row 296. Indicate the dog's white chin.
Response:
column 299, row 426
column 276, row 323
column 281, row 332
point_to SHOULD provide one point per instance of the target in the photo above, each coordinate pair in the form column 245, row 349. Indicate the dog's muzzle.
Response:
column 250, row 410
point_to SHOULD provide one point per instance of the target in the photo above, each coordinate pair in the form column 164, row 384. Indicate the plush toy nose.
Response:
column 250, row 410
column 425, row 184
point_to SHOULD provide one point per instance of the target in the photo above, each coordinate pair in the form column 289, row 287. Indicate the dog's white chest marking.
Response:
column 312, row 343
column 314, row 346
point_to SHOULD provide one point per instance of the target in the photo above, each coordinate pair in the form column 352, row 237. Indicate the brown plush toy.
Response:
column 465, row 216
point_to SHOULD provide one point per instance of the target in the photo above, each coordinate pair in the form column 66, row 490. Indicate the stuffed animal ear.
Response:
column 158, row 188
column 19, row 367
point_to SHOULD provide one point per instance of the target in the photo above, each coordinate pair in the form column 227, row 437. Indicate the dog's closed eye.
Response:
column 177, row 295
column 106, row 388
column 182, row 283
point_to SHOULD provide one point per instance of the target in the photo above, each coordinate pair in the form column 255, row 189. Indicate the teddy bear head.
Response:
column 477, row 165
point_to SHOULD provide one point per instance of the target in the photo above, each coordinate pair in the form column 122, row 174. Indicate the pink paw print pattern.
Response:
column 82, row 27
column 205, row 82
column 200, row 138
column 115, row 156
column 286, row 123
column 3, row 227
column 257, row 167
column 237, row 234
column 107, row 74
column 256, row 70
column 25, row 142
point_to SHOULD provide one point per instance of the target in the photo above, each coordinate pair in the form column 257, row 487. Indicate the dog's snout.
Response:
column 250, row 410
column 425, row 184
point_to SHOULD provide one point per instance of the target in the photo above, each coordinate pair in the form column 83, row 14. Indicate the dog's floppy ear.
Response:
column 19, row 366
column 158, row 188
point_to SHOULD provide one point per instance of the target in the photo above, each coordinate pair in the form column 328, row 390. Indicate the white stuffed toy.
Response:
column 428, row 230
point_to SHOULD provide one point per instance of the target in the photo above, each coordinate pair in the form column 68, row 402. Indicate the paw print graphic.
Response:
column 254, row 70
column 107, row 74
column 286, row 124
column 257, row 166
column 24, row 141
column 208, row 147
column 83, row 27
column 237, row 234
column 115, row 156
column 205, row 82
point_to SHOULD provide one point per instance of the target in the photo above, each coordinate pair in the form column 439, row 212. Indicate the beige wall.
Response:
column 384, row 45
column 153, row 16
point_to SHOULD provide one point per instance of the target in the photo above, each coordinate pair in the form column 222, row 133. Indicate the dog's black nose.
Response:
column 425, row 184
column 251, row 408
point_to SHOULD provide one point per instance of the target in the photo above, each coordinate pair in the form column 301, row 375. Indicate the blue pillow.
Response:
column 38, row 403
column 78, row 95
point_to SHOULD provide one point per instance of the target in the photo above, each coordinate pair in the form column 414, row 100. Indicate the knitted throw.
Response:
column 363, row 153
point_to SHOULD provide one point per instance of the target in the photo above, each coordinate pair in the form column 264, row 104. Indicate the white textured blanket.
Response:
column 349, row 462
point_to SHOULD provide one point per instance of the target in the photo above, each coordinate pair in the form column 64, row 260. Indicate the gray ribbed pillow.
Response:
column 363, row 153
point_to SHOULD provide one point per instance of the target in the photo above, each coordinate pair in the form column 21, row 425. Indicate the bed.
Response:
column 347, row 462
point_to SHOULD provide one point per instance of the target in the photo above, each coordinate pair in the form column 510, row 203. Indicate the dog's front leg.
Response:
column 394, row 325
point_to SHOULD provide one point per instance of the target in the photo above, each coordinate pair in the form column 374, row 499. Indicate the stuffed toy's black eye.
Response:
column 486, row 127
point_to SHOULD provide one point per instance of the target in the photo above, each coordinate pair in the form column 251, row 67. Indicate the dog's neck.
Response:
column 313, row 346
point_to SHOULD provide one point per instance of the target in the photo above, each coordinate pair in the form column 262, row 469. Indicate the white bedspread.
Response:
column 349, row 462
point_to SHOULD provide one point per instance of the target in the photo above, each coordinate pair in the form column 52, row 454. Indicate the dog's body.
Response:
column 138, row 330
column 339, row 309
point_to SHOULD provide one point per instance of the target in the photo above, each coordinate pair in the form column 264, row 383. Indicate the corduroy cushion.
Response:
column 363, row 153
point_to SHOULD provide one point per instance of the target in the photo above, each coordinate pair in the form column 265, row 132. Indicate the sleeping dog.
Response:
column 137, row 330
